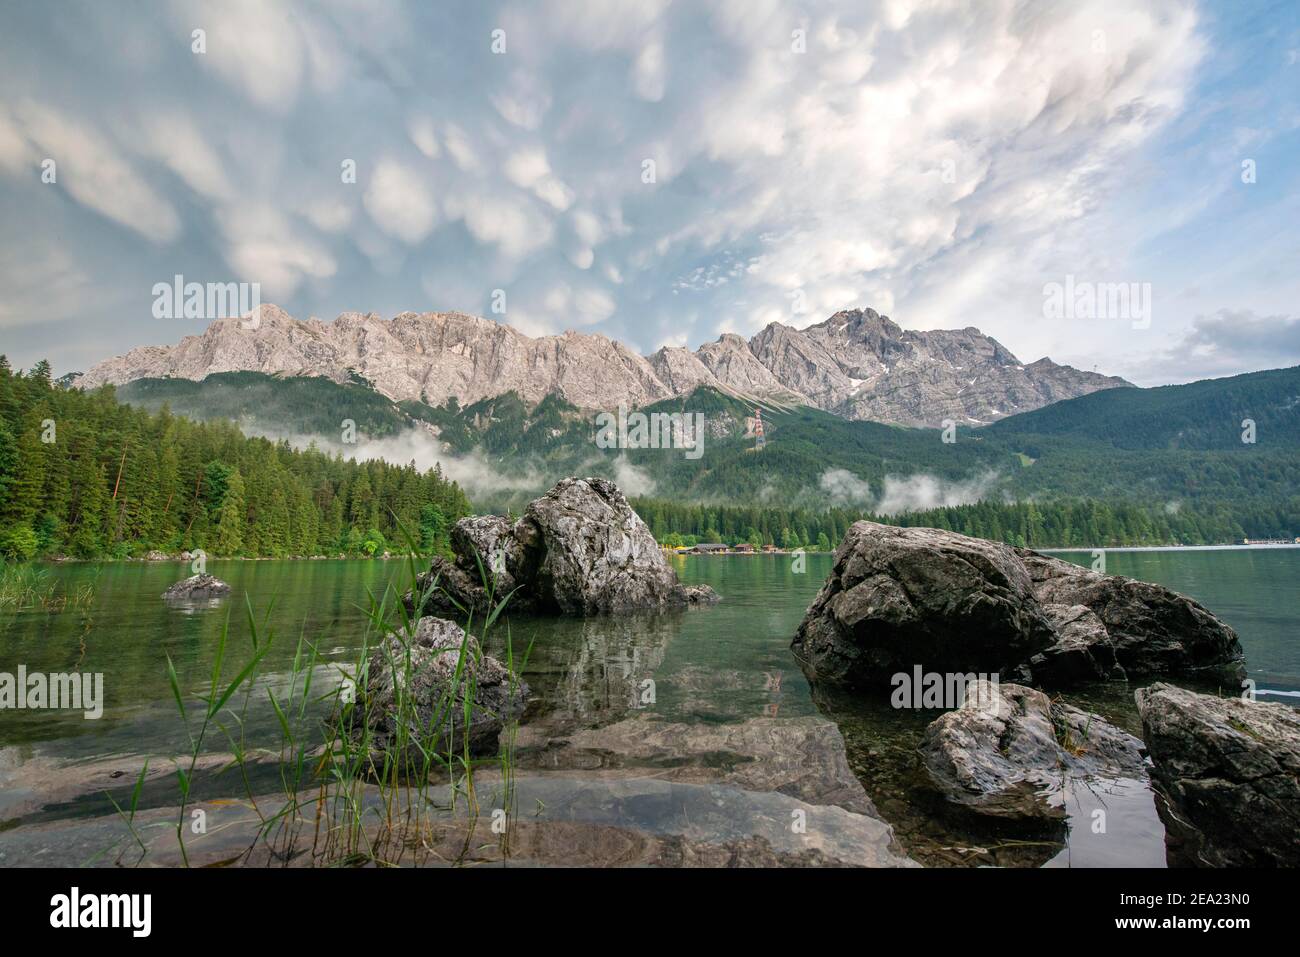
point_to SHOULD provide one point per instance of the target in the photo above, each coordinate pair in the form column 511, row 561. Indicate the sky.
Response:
column 662, row 173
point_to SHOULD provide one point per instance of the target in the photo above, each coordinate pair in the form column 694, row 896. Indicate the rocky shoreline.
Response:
column 904, row 598
column 1010, row 772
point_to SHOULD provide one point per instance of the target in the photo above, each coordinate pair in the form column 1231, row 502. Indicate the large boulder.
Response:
column 897, row 597
column 196, row 588
column 1229, row 769
column 901, row 597
column 413, row 701
column 1148, row 629
column 580, row 549
column 1083, row 650
column 1009, row 752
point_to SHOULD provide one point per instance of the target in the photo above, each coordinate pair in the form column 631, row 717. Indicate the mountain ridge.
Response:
column 856, row 364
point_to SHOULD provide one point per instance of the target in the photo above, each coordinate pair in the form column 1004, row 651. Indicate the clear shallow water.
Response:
column 710, row 668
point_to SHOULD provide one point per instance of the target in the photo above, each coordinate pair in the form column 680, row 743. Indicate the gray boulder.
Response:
column 902, row 596
column 197, row 588
column 1230, row 771
column 1009, row 752
column 580, row 549
column 1149, row 629
column 1083, row 650
column 413, row 703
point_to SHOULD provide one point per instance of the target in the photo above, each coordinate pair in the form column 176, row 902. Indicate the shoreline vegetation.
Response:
column 731, row 551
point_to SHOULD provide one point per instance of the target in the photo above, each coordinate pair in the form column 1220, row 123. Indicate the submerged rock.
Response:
column 900, row 597
column 422, row 704
column 1009, row 751
column 1230, row 770
column 580, row 549
column 197, row 588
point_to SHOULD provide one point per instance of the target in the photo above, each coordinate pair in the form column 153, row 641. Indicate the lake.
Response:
column 710, row 671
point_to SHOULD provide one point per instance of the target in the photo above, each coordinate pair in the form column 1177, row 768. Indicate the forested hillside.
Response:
column 84, row 475
column 1200, row 415
column 1060, row 524
column 1123, row 466
column 301, row 405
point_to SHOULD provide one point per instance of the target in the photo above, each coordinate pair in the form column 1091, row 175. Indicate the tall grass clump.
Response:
column 343, row 796
column 26, row 587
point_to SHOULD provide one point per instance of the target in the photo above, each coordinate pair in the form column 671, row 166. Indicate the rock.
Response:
column 801, row 757
column 901, row 597
column 1083, row 650
column 428, row 699
column 157, row 556
column 1007, row 752
column 580, row 549
column 197, row 588
column 1230, row 771
column 1150, row 629
column 897, row 597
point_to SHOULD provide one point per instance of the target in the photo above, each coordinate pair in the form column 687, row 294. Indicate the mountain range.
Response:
column 858, row 365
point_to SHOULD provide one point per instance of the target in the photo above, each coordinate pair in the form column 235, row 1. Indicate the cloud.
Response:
column 918, row 492
column 256, row 48
column 1225, row 343
column 400, row 202
column 842, row 487
column 267, row 248
column 474, row 472
column 633, row 481
column 940, row 161
column 529, row 169
column 94, row 173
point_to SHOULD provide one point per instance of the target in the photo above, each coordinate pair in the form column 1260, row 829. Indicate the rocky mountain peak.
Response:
column 857, row 363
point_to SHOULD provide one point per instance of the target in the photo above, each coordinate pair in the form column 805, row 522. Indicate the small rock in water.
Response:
column 197, row 587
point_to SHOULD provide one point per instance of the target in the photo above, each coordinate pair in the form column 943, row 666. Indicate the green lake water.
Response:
column 725, row 664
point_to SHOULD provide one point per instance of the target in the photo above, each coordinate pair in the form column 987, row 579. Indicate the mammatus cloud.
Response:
column 663, row 172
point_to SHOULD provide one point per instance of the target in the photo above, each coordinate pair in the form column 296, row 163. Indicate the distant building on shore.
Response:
column 710, row 548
